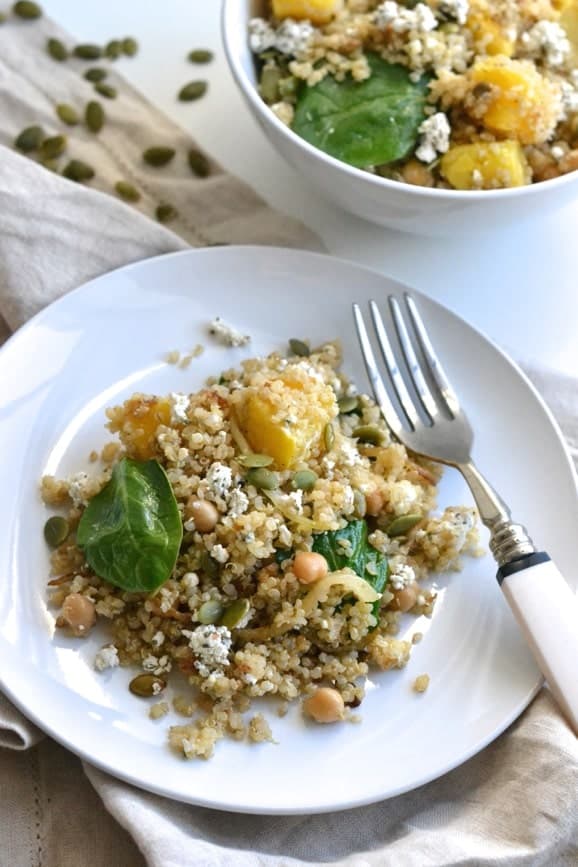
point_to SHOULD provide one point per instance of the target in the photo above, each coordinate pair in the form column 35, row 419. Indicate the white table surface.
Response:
column 520, row 286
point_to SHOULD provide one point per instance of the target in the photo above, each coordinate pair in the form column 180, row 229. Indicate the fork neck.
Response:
column 508, row 541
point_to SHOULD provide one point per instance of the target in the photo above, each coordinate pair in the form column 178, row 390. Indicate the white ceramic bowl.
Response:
column 388, row 203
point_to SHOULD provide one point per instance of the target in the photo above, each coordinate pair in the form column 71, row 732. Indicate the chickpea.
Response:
column 374, row 502
column 203, row 513
column 309, row 567
column 325, row 705
column 407, row 597
column 79, row 613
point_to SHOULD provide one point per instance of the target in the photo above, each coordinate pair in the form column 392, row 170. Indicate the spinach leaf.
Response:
column 131, row 531
column 362, row 555
column 364, row 123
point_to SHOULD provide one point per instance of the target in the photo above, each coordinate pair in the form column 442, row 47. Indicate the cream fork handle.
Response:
column 547, row 611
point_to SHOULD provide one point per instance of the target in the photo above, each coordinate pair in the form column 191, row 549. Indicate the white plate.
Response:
column 98, row 345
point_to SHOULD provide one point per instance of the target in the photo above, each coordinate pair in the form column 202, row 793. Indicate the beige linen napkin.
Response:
column 514, row 804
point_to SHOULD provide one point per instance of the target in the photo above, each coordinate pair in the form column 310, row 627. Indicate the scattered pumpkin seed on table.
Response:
column 95, row 73
column 56, row 530
column 57, row 49
column 113, row 49
column 193, row 90
column 67, row 114
column 127, row 192
column 94, row 116
column 79, row 171
column 165, row 213
column 105, row 90
column 146, row 685
column 129, row 46
column 53, row 146
column 158, row 156
column 50, row 164
column 199, row 163
column 27, row 9
column 29, row 139
column 200, row 55
column 87, row 51
column 3, row 17
column 298, row 347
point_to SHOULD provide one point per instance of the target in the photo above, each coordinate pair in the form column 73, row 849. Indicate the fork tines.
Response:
column 416, row 379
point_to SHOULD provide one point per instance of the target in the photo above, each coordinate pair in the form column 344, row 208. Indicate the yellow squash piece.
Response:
column 486, row 166
column 569, row 22
column 488, row 35
column 319, row 12
column 285, row 417
column 136, row 421
column 521, row 104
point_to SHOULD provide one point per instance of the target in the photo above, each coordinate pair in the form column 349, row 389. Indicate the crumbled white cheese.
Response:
column 238, row 503
column 569, row 99
column 456, row 9
column 77, row 488
column 435, row 137
column 285, row 536
column 179, row 406
column 293, row 37
column 390, row 14
column 220, row 554
column 219, row 479
column 261, row 35
column 401, row 576
column 227, row 334
column 547, row 40
column 403, row 496
column 158, row 638
column 296, row 498
column 156, row 665
column 190, row 580
column 348, row 454
column 211, row 646
column 107, row 657
column 557, row 152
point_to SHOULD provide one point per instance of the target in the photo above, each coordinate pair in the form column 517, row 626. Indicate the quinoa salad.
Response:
column 262, row 536
column 451, row 94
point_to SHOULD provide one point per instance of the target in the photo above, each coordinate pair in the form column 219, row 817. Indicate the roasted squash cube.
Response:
column 486, row 166
column 319, row 12
column 137, row 421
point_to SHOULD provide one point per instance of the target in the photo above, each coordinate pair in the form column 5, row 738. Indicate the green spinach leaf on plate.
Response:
column 364, row 123
column 131, row 531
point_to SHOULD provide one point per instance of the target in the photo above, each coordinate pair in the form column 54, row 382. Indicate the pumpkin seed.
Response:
column 126, row 191
column 402, row 525
column 27, row 9
column 369, row 433
column 3, row 17
column 359, row 504
column 192, row 90
column 200, row 55
column 235, row 613
column 328, row 436
column 113, row 49
column 165, row 213
column 53, row 146
column 105, row 90
column 210, row 612
column 209, row 566
column 269, row 84
column 298, row 347
column 146, row 685
column 56, row 531
column 95, row 73
column 57, row 49
column 199, row 164
column 67, row 114
column 254, row 460
column 29, row 139
column 158, row 156
column 94, row 116
column 49, row 164
column 347, row 404
column 304, row 480
column 288, row 88
column 78, row 171
column 87, row 51
column 129, row 46
column 262, row 478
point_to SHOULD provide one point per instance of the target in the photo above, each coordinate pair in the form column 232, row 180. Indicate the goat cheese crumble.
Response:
column 547, row 40
column 179, row 406
column 219, row 479
column 435, row 137
column 420, row 19
column 77, row 488
column 291, row 37
column 238, row 503
column 456, row 9
column 211, row 646
column 227, row 334
column 107, row 657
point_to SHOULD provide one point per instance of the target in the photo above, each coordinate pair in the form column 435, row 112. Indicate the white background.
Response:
column 518, row 286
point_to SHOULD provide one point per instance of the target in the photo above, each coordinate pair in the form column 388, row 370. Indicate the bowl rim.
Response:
column 375, row 182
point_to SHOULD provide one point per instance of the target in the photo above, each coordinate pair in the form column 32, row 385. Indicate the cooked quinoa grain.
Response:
column 263, row 597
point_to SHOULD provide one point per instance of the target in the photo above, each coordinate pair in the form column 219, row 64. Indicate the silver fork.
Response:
column 424, row 414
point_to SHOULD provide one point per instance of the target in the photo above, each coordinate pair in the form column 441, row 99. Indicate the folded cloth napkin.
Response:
column 516, row 803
